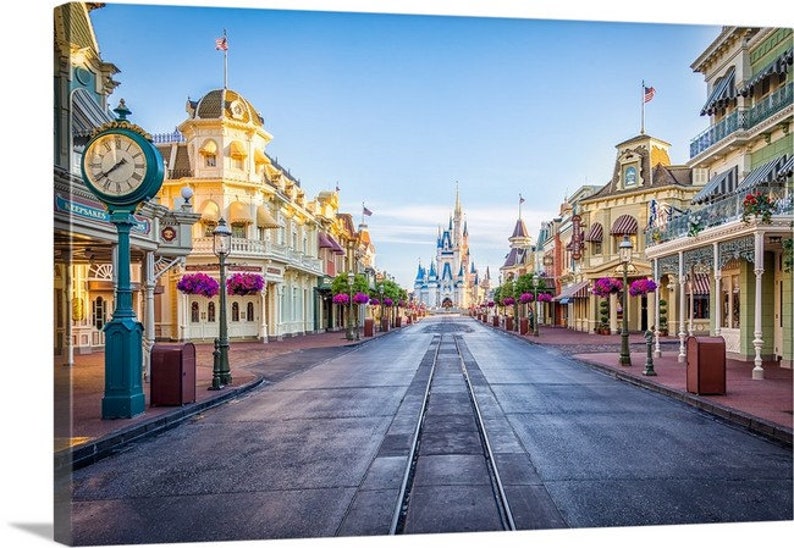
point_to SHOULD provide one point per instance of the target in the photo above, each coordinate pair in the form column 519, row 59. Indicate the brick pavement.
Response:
column 763, row 406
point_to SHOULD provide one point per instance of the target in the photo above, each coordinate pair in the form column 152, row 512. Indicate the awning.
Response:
column 260, row 157
column 723, row 92
column 700, row 285
column 240, row 213
column 719, row 185
column 595, row 234
column 264, row 219
column 209, row 148
column 575, row 291
column 625, row 224
column 780, row 65
column 765, row 173
column 210, row 212
column 326, row 241
column 237, row 150
column 787, row 170
column 86, row 113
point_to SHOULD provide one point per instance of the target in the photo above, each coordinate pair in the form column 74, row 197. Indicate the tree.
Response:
column 339, row 284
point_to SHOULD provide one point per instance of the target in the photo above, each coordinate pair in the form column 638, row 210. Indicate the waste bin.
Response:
column 705, row 365
column 369, row 327
column 523, row 326
column 509, row 323
column 173, row 374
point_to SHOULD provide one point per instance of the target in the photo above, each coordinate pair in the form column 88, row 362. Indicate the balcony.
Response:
column 743, row 119
column 244, row 248
column 727, row 209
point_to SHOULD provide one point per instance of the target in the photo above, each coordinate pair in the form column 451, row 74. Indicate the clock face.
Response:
column 115, row 165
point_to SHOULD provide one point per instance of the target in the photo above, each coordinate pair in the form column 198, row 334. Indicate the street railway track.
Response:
column 448, row 362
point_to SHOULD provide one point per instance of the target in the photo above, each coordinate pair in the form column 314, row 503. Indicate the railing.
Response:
column 719, row 212
column 179, row 173
column 173, row 137
column 743, row 119
column 257, row 248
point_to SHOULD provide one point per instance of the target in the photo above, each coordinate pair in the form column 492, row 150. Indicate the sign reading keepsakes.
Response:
column 576, row 238
column 96, row 212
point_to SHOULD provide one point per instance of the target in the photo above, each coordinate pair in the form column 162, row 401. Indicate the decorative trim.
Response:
column 741, row 248
column 668, row 265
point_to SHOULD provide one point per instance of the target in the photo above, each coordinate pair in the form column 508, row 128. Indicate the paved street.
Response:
column 322, row 452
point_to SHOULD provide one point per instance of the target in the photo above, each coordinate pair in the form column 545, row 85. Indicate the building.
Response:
column 734, row 237
column 451, row 281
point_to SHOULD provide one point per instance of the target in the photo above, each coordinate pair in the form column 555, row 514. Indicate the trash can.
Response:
column 369, row 327
column 496, row 321
column 509, row 323
column 173, row 374
column 523, row 326
column 705, row 365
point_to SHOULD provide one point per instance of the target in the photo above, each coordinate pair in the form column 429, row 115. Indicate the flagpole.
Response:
column 520, row 201
column 225, row 62
column 642, row 100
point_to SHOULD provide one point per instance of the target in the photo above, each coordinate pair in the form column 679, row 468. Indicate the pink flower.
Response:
column 198, row 283
column 526, row 298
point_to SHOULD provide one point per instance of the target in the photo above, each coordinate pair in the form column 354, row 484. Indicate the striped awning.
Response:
column 625, row 224
column 595, row 234
column 574, row 291
column 787, row 170
column 699, row 285
column 719, row 185
column 86, row 113
column 780, row 65
column 326, row 241
column 240, row 213
column 264, row 219
column 765, row 173
column 724, row 91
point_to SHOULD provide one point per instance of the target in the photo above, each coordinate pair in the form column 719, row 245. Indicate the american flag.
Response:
column 366, row 211
column 521, row 199
column 649, row 93
column 221, row 44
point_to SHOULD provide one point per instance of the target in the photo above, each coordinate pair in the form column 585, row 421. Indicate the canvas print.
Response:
column 323, row 274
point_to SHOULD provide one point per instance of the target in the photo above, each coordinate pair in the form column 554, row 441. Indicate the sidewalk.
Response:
column 762, row 406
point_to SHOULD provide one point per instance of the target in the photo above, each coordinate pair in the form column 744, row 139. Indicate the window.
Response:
column 194, row 312
column 99, row 312
column 211, row 312
column 597, row 248
column 238, row 230
column 235, row 312
column 700, row 307
column 630, row 176
column 210, row 160
column 730, row 302
column 238, row 163
column 209, row 226
column 249, row 312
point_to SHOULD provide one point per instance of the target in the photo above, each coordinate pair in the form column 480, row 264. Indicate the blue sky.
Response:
column 399, row 109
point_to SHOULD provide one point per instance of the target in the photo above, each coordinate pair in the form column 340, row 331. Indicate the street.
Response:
column 323, row 452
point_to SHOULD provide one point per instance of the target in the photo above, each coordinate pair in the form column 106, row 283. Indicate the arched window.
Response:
column 235, row 312
column 99, row 312
column 249, row 313
column 194, row 312
column 211, row 312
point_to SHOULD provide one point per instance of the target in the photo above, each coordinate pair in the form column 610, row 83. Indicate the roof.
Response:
column 520, row 230
column 225, row 103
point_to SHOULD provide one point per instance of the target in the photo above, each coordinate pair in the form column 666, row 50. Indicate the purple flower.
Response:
column 244, row 283
column 198, row 283
column 641, row 287
column 507, row 301
column 388, row 302
column 341, row 298
column 360, row 298
column 374, row 302
column 604, row 286
column 545, row 297
column 526, row 298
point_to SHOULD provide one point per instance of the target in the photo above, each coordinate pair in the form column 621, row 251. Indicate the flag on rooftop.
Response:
column 221, row 43
column 649, row 93
column 366, row 211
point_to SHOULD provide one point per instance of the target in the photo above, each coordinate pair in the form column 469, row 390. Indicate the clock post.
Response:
column 123, row 168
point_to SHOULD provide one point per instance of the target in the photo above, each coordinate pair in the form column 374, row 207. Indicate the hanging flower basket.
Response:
column 603, row 287
column 545, row 297
column 245, row 283
column 388, row 302
column 341, row 298
column 757, row 205
column 198, row 283
column 507, row 301
column 526, row 298
column 641, row 287
column 360, row 298
column 491, row 304
column 374, row 302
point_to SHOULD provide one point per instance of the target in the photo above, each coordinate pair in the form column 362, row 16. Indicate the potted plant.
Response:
column 663, row 329
column 198, row 283
column 245, row 283
column 756, row 204
column 603, row 325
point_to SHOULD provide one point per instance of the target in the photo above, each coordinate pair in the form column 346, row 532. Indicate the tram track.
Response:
column 450, row 453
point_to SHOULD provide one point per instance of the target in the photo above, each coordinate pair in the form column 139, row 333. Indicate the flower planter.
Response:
column 496, row 321
column 509, row 323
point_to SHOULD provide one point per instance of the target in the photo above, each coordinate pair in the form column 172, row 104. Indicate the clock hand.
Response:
column 114, row 168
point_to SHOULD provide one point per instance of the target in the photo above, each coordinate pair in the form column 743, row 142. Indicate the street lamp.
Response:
column 221, row 246
column 350, row 278
column 383, row 321
column 624, row 251
column 535, row 319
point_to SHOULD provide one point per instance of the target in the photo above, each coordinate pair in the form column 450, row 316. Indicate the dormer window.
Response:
column 209, row 151
column 629, row 176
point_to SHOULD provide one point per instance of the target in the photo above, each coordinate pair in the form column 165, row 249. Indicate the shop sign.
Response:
column 94, row 211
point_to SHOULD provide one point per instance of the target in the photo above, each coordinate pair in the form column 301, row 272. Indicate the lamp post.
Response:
column 221, row 246
column 624, row 251
column 350, row 278
column 535, row 332
column 383, row 320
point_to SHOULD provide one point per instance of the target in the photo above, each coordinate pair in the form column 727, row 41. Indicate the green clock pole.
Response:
column 124, row 396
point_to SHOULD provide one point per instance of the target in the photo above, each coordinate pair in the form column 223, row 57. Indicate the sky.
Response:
column 402, row 110
column 462, row 106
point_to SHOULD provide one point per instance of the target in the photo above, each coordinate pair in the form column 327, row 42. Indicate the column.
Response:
column 148, row 326
column 681, row 308
column 68, row 293
column 657, row 352
column 758, row 341
column 263, row 313
column 717, row 291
